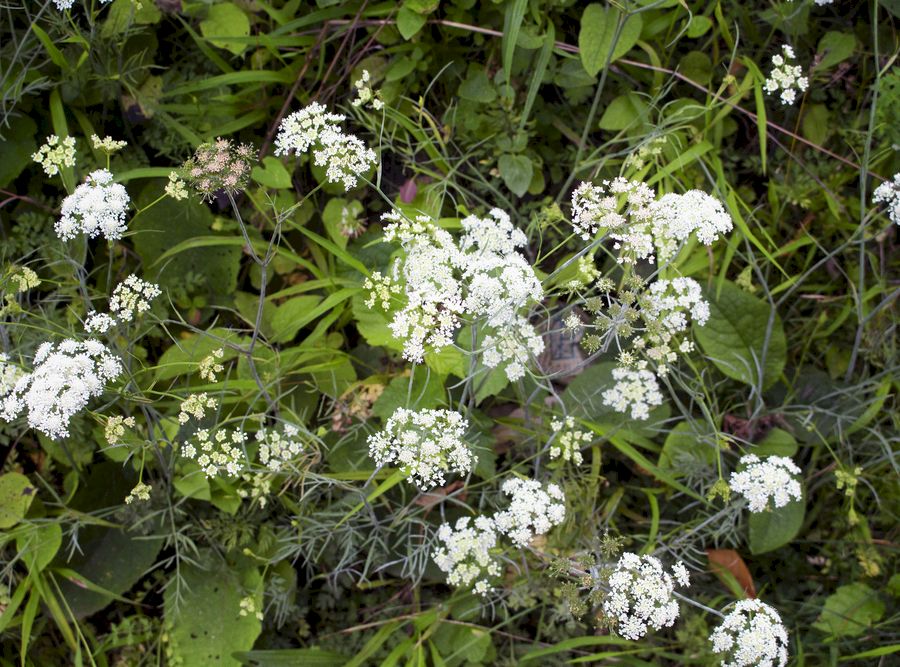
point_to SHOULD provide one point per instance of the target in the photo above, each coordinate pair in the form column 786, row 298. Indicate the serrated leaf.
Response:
column 734, row 337
column 598, row 29
column 850, row 611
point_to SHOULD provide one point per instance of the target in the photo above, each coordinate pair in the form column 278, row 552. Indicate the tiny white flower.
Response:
column 751, row 635
column 888, row 193
column 786, row 77
column 533, row 510
column 636, row 390
column 465, row 554
column 762, row 480
column 97, row 207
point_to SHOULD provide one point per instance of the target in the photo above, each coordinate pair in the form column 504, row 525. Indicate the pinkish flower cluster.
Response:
column 219, row 165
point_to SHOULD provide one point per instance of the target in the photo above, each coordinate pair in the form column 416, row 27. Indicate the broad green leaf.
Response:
column 206, row 625
column 697, row 66
column 224, row 23
column 776, row 443
column 273, row 174
column 291, row 657
column 288, row 317
column 426, row 392
column 16, row 147
column 773, row 528
column 687, row 450
column 124, row 13
column 516, row 171
column 623, row 111
column 698, row 26
column 598, row 30
column 168, row 223
column 835, row 47
column 16, row 494
column 735, row 336
column 816, row 123
column 409, row 22
column 477, row 86
column 38, row 543
column 340, row 214
column 850, row 611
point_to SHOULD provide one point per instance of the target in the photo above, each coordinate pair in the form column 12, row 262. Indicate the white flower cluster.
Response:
column 677, row 216
column 640, row 595
column 278, row 449
column 761, row 480
column 482, row 276
column 645, row 225
column 216, row 451
column 176, row 188
column 786, row 77
column 532, row 510
column 425, row 445
column 751, row 635
column 62, row 5
column 96, row 207
column 568, row 440
column 210, row 366
column 196, row 406
column 130, row 297
column 107, row 144
column 9, row 375
column 466, row 553
column 140, row 492
column 665, row 308
column 65, row 377
column 636, row 390
column 888, row 193
column 381, row 290
column 55, row 153
column 344, row 156
column 365, row 94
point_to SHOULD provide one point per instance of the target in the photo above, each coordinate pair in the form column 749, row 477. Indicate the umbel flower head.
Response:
column 640, row 595
column 480, row 277
column 219, row 165
column 65, row 377
column 761, row 480
column 344, row 156
column 888, row 193
column 425, row 445
column 97, row 207
column 636, row 390
column 785, row 76
column 751, row 635
column 644, row 228
column 465, row 553
column 55, row 153
column 533, row 510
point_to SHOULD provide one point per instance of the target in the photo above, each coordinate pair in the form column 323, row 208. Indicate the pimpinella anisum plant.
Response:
column 571, row 338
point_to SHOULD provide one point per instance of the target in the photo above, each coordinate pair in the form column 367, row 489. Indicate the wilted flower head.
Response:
column 465, row 554
column 751, row 635
column 640, row 595
column 888, row 193
column 533, row 510
column 786, row 77
column 425, row 445
column 761, row 480
column 636, row 390
column 55, row 153
column 96, row 207
column 65, row 377
column 219, row 165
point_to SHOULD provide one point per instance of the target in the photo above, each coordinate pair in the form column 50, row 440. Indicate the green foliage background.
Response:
column 506, row 103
